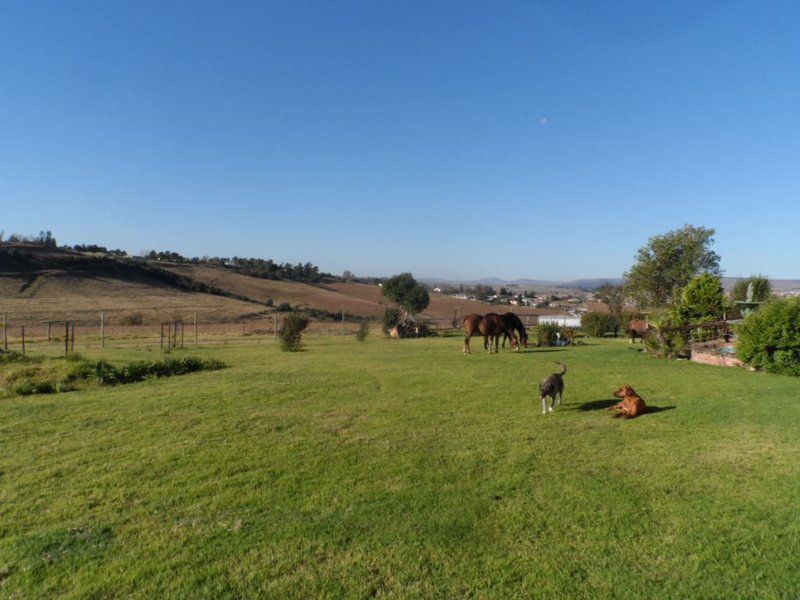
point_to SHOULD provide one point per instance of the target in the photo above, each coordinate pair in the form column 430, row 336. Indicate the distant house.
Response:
column 437, row 290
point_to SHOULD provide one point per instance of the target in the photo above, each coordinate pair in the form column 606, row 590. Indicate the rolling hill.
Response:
column 39, row 285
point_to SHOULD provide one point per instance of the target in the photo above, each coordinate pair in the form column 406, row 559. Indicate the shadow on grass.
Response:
column 602, row 404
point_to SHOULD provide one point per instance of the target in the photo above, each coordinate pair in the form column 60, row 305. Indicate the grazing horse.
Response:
column 639, row 328
column 513, row 323
column 491, row 326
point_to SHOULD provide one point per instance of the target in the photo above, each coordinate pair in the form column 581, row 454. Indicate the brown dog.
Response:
column 632, row 404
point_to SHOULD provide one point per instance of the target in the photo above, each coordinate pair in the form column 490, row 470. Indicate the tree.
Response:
column 668, row 262
column 612, row 296
column 411, row 296
column 762, row 289
column 703, row 298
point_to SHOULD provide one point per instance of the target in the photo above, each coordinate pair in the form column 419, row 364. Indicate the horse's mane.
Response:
column 515, row 322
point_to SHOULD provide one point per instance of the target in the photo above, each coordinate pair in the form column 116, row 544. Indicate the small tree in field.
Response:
column 292, row 332
column 410, row 297
column 363, row 331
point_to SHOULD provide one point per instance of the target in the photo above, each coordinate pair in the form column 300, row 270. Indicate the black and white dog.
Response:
column 552, row 387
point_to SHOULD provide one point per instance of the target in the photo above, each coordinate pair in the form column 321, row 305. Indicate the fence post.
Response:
column 342, row 322
column 162, row 335
column 181, row 334
column 275, row 316
column 48, row 331
column 66, row 338
column 5, row 331
column 195, row 329
column 72, row 341
column 102, row 330
column 23, row 340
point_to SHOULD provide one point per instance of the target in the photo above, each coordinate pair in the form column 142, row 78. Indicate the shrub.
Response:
column 391, row 317
column 270, row 302
column 769, row 339
column 598, row 324
column 292, row 332
column 284, row 307
column 670, row 340
column 132, row 319
column 546, row 334
column 363, row 331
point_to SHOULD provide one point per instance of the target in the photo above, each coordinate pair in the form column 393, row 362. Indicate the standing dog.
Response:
column 632, row 404
column 552, row 387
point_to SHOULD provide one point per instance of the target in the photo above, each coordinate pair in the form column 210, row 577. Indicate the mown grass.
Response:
column 403, row 468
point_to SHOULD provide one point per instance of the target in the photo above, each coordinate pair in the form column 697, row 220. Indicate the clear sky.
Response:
column 452, row 139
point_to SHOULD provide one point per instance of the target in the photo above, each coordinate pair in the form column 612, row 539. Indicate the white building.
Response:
column 564, row 320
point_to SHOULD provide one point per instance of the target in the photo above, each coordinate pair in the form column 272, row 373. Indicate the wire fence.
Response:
column 68, row 335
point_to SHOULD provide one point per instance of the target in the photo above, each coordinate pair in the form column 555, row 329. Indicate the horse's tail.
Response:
column 563, row 369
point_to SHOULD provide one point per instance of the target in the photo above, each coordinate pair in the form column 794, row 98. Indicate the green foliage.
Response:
column 668, row 262
column 547, row 334
column 284, row 307
column 598, row 324
column 391, row 317
column 769, row 339
column 762, row 289
column 670, row 340
column 50, row 375
column 363, row 331
column 407, row 293
column 291, row 333
column 612, row 296
column 702, row 298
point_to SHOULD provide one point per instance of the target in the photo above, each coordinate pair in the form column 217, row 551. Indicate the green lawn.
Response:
column 404, row 468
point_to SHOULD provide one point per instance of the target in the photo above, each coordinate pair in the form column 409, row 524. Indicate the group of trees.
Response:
column 409, row 297
column 44, row 239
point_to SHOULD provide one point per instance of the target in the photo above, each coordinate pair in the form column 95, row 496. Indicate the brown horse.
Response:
column 639, row 328
column 491, row 326
column 514, row 323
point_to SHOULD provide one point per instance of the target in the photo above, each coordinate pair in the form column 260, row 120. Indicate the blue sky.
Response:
column 452, row 139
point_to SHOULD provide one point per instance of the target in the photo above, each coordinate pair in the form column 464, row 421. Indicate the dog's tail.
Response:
column 563, row 369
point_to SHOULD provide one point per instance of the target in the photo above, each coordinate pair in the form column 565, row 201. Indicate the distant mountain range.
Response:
column 778, row 285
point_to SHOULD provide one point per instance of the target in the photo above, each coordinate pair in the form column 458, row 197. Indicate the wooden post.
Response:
column 275, row 316
column 23, row 340
column 195, row 329
column 342, row 322
column 162, row 335
column 48, row 331
column 66, row 338
column 72, row 340
column 5, row 331
column 102, row 330
column 181, row 334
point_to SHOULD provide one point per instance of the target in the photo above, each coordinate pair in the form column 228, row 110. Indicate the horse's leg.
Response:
column 544, row 405
column 467, row 349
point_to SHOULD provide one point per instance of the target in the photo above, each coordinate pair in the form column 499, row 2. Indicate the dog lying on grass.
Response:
column 552, row 387
column 632, row 404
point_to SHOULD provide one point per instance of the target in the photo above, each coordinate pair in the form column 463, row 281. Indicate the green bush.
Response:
column 769, row 339
column 292, row 332
column 546, row 334
column 598, row 324
column 363, row 331
column 284, row 307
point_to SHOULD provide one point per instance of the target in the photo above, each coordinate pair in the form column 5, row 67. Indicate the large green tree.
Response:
column 405, row 291
column 668, row 262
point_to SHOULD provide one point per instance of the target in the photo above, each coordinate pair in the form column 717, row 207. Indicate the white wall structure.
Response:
column 565, row 320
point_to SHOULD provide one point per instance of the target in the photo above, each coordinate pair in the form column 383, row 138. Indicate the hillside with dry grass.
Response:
column 38, row 285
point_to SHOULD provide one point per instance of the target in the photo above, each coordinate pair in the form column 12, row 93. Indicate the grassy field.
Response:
column 405, row 469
